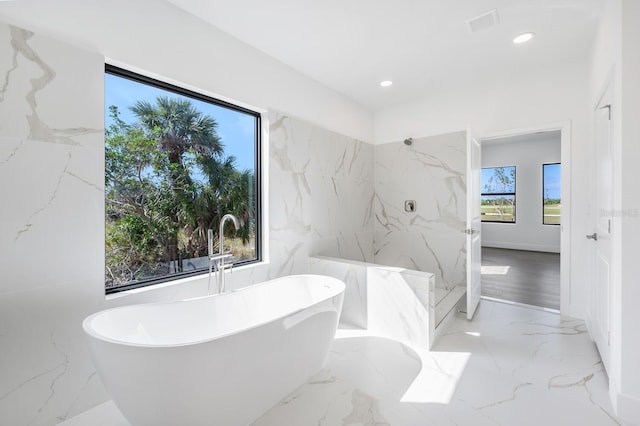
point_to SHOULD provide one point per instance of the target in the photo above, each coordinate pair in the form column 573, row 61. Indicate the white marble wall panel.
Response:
column 321, row 186
column 354, row 275
column 399, row 307
column 52, row 244
column 432, row 171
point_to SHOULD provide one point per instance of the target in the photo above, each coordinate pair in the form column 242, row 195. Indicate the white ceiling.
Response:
column 424, row 46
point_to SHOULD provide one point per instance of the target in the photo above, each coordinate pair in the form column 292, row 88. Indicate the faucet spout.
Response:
column 236, row 224
column 220, row 258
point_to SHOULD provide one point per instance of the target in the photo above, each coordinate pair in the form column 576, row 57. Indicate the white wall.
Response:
column 630, row 202
column 157, row 37
column 528, row 154
column 543, row 97
column 616, row 57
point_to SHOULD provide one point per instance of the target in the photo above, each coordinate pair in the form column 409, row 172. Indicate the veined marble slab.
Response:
column 432, row 171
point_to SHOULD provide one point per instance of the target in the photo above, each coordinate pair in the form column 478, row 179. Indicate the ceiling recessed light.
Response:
column 523, row 38
column 386, row 83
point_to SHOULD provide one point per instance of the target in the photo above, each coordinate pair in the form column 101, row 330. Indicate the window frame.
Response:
column 189, row 93
column 502, row 194
column 543, row 197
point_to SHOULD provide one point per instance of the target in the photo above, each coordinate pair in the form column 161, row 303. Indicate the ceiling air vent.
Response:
column 484, row 21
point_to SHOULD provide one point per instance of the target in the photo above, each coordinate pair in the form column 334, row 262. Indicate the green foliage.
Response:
column 166, row 182
column 500, row 181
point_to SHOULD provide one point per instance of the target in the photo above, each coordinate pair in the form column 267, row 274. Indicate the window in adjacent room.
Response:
column 176, row 161
column 551, row 194
column 498, row 197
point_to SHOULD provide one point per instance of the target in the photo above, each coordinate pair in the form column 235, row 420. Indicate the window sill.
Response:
column 176, row 282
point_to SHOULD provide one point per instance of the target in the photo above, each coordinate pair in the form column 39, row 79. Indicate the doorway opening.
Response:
column 525, row 217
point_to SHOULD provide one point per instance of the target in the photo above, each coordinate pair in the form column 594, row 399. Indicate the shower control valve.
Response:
column 410, row 206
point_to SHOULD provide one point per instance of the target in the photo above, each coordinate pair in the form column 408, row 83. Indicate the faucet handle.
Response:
column 220, row 256
column 210, row 242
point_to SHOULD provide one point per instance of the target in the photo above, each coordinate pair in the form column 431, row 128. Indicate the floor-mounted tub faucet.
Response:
column 218, row 260
column 236, row 224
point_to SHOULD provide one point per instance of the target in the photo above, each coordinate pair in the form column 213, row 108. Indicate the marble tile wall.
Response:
column 52, row 227
column 321, row 187
column 431, row 171
column 52, row 174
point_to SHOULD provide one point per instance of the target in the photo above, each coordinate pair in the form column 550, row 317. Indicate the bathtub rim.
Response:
column 92, row 333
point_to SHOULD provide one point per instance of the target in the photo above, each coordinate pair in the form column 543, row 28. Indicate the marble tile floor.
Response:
column 511, row 365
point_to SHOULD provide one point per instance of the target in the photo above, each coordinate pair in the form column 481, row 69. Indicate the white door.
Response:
column 474, row 287
column 601, row 280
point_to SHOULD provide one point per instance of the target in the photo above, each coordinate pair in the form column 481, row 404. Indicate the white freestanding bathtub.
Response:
column 218, row 360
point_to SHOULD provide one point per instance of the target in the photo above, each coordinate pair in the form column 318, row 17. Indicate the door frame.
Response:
column 565, row 228
column 474, row 235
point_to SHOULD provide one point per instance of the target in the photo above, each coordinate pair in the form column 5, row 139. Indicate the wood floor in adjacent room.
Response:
column 528, row 277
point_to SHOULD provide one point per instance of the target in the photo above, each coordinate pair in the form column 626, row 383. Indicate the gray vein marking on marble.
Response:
column 13, row 153
column 290, row 260
column 340, row 164
column 384, row 221
column 27, row 226
column 538, row 347
column 327, row 381
column 65, row 415
column 370, row 209
column 38, row 130
column 358, row 146
column 29, row 380
column 365, row 410
column 432, row 161
column 302, row 176
column 461, row 263
column 511, row 398
column 362, row 253
column 442, row 370
column 83, row 180
column 7, row 76
column 335, row 188
column 583, row 382
column 52, row 386
column 280, row 154
column 445, row 282
column 568, row 330
column 579, row 383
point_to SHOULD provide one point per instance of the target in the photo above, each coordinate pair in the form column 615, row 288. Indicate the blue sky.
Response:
column 234, row 128
column 551, row 181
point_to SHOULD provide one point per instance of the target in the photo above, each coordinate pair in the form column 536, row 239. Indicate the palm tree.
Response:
column 180, row 129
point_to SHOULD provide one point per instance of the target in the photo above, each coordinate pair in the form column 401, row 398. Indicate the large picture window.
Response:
column 498, row 196
column 176, row 161
column 551, row 194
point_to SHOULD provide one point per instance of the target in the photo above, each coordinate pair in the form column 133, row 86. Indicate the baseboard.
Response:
column 521, row 246
column 575, row 310
column 628, row 409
